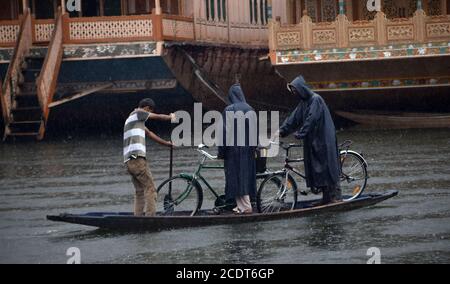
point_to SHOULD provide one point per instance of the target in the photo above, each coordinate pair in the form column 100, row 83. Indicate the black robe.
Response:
column 240, row 163
column 315, row 127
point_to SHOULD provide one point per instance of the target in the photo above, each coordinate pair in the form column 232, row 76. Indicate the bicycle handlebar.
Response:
column 286, row 146
column 204, row 153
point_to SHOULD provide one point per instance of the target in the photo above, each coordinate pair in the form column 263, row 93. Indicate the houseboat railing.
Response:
column 42, row 30
column 13, row 75
column 9, row 31
column 231, row 32
column 178, row 28
column 48, row 77
column 109, row 29
column 343, row 33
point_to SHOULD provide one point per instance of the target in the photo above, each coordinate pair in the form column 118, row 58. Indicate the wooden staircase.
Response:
column 26, row 110
column 26, row 113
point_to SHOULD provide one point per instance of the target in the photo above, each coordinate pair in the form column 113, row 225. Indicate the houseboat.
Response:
column 84, row 62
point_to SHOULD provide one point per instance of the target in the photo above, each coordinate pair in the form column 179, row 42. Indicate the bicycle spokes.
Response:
column 353, row 175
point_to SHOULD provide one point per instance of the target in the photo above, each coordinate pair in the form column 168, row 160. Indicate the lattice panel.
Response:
column 324, row 36
column 362, row 34
column 110, row 29
column 403, row 32
column 289, row 39
column 8, row 33
column 43, row 32
column 438, row 30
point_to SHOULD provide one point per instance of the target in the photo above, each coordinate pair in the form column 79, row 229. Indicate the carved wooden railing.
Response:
column 9, row 31
column 108, row 29
column 343, row 33
column 13, row 75
column 178, row 28
column 231, row 32
column 43, row 30
column 48, row 77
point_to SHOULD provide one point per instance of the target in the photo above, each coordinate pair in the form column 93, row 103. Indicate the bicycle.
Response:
column 183, row 194
column 279, row 191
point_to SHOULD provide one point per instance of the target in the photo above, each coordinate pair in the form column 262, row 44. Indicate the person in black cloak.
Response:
column 239, row 155
column 314, row 125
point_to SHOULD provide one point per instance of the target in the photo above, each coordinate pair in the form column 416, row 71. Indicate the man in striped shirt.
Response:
column 134, row 154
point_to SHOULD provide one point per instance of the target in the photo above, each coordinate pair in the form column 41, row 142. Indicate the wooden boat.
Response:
column 128, row 222
column 399, row 120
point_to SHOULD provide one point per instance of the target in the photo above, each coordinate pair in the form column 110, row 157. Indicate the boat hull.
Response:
column 406, row 121
column 128, row 222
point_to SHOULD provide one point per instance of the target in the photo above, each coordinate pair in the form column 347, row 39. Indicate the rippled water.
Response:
column 84, row 175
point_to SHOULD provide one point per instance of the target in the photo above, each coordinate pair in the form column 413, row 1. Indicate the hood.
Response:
column 236, row 95
column 302, row 88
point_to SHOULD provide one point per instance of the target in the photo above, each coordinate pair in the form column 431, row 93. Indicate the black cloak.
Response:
column 315, row 127
column 240, row 163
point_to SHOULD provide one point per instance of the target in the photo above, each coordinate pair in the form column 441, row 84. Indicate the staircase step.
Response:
column 30, row 75
column 35, row 56
column 26, row 109
column 26, row 95
column 17, row 134
column 25, row 122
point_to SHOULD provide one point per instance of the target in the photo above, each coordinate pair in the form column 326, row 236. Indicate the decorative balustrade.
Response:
column 8, row 32
column 42, row 30
column 231, row 33
column 108, row 29
column 178, row 28
column 342, row 33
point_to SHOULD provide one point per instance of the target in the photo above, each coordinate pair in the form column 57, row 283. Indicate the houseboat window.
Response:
column 10, row 10
column 251, row 11
column 169, row 7
column 255, row 10
column 224, row 10
column 138, row 7
column 213, row 10
column 219, row 10
column 43, row 9
column 208, row 14
column 261, row 12
column 90, row 8
column 112, row 8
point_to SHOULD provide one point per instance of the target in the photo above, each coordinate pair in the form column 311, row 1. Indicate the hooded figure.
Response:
column 315, row 127
column 240, row 163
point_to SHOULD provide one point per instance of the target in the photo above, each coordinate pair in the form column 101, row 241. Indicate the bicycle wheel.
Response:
column 353, row 175
column 277, row 194
column 179, row 196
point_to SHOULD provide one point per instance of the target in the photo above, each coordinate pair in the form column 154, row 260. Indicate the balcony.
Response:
column 344, row 40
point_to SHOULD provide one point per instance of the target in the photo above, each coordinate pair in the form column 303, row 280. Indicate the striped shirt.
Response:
column 134, row 135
